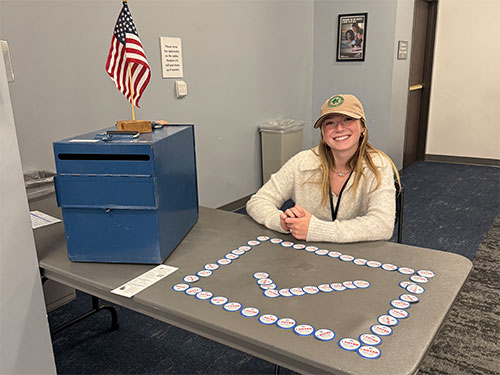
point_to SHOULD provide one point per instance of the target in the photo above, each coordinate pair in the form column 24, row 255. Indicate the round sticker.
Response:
column 324, row 334
column 388, row 320
column 381, row 330
column 398, row 304
column 338, row 287
column 204, row 295
column 285, row 293
column 349, row 344
column 180, row 287
column 370, row 339
column 261, row 275
column 224, row 261
column 297, row 291
column 250, row 312
column 404, row 284
column 271, row 293
column 219, row 300
column 311, row 249
column 299, row 246
column 389, row 267
column 268, row 319
column 253, row 243
column 204, row 273
column 264, row 281
column 231, row 256
column 268, row 286
column 275, row 240
column 238, row 251
column 426, row 273
column 369, row 352
column 286, row 323
column 304, row 330
column 361, row 284
column 373, row 264
column 311, row 289
column 287, row 244
column 190, row 279
column 334, row 254
column 211, row 266
column 192, row 291
column 346, row 258
column 409, row 298
column 414, row 288
column 398, row 313
column 245, row 248
column 419, row 279
column 406, row 270
column 359, row 261
column 321, row 252
column 325, row 288
column 232, row 306
column 263, row 238
column 349, row 285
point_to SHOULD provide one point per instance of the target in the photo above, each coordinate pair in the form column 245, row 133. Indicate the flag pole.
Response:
column 131, row 90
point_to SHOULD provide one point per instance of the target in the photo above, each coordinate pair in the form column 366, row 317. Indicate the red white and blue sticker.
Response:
column 415, row 289
column 232, row 306
column 349, row 344
column 349, row 285
column 271, row 293
column 275, row 240
column 369, row 352
column 388, row 320
column 285, row 293
column 268, row 286
column 381, row 330
column 419, row 279
column 286, row 323
column 311, row 249
column 190, row 279
column 180, row 287
column 325, row 288
column 334, row 254
column 268, row 319
column 238, row 251
column 265, row 281
column 193, row 290
column 404, row 284
column 370, row 339
column 361, row 284
column 389, row 267
column 261, row 275
column 346, row 258
column 398, row 313
column 311, row 289
column 211, row 266
column 324, row 334
column 246, row 248
column 224, row 261
column 409, row 298
column 250, row 312
column 359, row 261
column 253, row 243
column 204, row 273
column 287, row 244
column 297, row 291
column 338, row 287
column 204, row 295
column 231, row 256
column 399, row 304
column 299, row 246
column 406, row 270
column 426, row 273
column 304, row 330
column 373, row 264
column 322, row 252
column 219, row 300
column 263, row 238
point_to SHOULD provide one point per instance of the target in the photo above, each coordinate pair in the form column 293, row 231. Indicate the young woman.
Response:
column 343, row 189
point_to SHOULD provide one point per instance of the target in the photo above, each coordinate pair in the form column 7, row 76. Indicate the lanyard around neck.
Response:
column 336, row 209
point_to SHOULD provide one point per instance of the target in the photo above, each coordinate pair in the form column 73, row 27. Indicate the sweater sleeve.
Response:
column 264, row 205
column 377, row 224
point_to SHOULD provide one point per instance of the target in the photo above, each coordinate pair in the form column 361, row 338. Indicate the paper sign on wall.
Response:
column 171, row 57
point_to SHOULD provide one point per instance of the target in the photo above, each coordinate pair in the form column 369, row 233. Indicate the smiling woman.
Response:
column 344, row 166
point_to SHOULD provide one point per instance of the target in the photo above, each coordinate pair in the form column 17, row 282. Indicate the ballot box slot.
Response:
column 107, row 157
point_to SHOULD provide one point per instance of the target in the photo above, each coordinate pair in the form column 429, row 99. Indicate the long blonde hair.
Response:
column 355, row 163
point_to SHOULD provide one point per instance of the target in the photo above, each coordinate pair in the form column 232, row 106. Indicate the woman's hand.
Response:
column 297, row 221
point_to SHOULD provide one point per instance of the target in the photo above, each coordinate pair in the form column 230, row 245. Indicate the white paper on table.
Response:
column 143, row 281
column 39, row 219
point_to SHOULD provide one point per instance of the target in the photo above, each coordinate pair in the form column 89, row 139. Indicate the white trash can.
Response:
column 279, row 140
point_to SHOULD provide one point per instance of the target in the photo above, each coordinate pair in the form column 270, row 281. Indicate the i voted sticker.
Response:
column 398, row 313
column 211, row 266
column 349, row 344
column 398, row 304
column 369, row 352
column 381, row 330
column 334, row 254
column 261, row 275
column 219, row 300
column 361, row 284
column 370, row 339
column 204, row 273
column 373, row 264
column 190, row 279
column 359, row 261
column 253, row 243
column 287, row 244
column 349, row 285
column 204, row 295
column 311, row 289
column 304, row 330
column 388, row 320
column 409, row 298
column 311, row 249
column 180, row 287
column 286, row 323
column 404, row 284
column 231, row 256
column 389, row 267
column 338, row 287
column 321, row 252
column 299, row 246
column 238, row 251
column 250, row 312
column 263, row 238
column 268, row 286
column 271, row 293
column 246, row 248
column 285, row 293
column 297, row 291
column 419, row 279
column 415, row 289
column 406, row 270
column 426, row 273
column 192, row 291
column 268, row 319
column 325, row 288
column 275, row 240
column 265, row 281
column 232, row 306
column 346, row 258
column 224, row 261
column 324, row 334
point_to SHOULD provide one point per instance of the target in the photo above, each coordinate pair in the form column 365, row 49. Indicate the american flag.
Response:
column 126, row 48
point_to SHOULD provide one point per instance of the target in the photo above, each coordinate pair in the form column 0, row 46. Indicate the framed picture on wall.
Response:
column 351, row 38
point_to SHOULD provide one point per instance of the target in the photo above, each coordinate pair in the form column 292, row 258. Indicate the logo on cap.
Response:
column 335, row 101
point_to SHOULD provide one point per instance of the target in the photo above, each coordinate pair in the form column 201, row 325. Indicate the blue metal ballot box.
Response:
column 127, row 197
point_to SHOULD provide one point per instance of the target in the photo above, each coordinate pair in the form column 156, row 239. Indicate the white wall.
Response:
column 465, row 96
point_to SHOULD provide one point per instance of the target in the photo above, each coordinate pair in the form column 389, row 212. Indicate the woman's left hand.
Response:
column 299, row 226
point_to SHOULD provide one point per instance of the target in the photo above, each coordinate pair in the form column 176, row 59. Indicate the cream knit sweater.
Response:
column 367, row 215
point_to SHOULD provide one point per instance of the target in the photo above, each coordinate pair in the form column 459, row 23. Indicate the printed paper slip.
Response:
column 143, row 281
column 39, row 219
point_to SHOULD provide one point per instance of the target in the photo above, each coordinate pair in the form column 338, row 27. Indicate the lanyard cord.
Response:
column 336, row 210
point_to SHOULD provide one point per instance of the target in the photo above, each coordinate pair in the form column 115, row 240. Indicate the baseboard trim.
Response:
column 462, row 160
column 236, row 205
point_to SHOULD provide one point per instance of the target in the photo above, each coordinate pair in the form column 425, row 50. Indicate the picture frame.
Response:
column 351, row 36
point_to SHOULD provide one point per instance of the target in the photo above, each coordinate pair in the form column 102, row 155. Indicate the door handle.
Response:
column 418, row 86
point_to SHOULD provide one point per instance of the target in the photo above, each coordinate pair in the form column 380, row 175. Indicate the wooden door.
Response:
column 424, row 27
